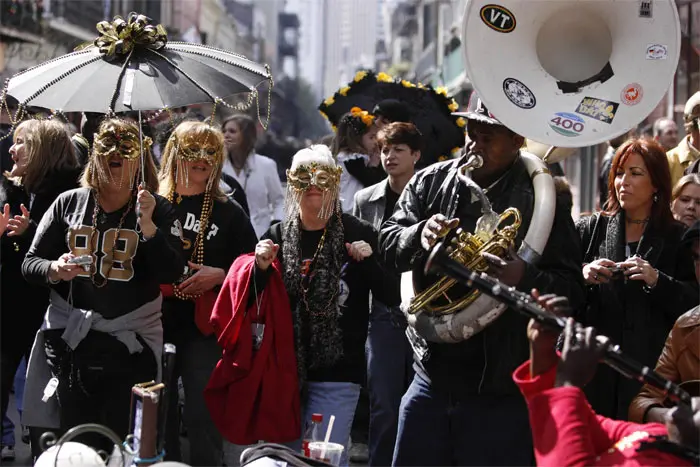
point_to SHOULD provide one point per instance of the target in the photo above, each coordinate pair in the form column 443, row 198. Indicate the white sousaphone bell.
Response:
column 564, row 74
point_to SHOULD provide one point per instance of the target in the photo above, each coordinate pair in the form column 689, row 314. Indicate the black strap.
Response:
column 603, row 75
column 279, row 452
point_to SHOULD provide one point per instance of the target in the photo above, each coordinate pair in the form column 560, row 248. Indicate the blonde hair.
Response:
column 91, row 174
column 200, row 131
column 49, row 149
column 683, row 182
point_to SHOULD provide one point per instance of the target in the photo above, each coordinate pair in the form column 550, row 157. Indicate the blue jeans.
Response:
column 326, row 398
column 8, row 427
column 389, row 374
column 439, row 428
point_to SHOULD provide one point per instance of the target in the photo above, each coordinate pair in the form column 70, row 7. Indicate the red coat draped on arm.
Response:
column 244, row 409
column 566, row 430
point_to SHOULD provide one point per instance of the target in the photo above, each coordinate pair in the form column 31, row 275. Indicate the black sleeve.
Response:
column 48, row 244
column 274, row 233
column 559, row 269
column 237, row 192
column 383, row 283
column 367, row 175
column 399, row 239
column 163, row 252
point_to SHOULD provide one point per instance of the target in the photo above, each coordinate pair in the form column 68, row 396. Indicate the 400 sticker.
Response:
column 567, row 124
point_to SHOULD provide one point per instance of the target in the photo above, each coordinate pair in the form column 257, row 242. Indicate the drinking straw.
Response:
column 328, row 436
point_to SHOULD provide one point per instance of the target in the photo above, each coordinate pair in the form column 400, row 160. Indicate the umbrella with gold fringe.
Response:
column 431, row 110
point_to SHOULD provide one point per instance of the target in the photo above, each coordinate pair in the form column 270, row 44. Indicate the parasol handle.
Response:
column 143, row 163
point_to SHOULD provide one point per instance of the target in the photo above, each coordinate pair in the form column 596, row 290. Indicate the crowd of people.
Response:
column 113, row 245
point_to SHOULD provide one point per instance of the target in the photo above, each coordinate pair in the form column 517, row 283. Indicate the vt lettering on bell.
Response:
column 498, row 18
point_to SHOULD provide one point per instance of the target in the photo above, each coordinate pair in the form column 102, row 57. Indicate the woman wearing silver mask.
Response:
column 103, row 263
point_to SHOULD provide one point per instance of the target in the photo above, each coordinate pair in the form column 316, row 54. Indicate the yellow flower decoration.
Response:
column 442, row 158
column 329, row 101
column 461, row 122
column 442, row 90
column 407, row 84
column 366, row 117
column 455, row 150
column 453, row 106
column 421, row 86
column 344, row 90
column 360, row 75
column 383, row 77
column 335, row 128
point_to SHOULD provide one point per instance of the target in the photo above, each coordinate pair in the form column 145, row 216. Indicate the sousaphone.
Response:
column 564, row 74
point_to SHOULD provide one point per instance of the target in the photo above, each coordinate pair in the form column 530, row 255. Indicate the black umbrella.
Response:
column 132, row 66
column 431, row 110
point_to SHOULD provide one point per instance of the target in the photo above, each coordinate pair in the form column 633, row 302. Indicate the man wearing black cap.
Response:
column 462, row 407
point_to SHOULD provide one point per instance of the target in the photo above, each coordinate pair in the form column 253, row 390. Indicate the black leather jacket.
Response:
column 436, row 189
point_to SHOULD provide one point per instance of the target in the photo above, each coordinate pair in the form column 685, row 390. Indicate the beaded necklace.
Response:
column 305, row 289
column 198, row 248
column 93, row 241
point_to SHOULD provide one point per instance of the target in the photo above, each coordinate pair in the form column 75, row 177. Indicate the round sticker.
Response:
column 567, row 124
column 632, row 94
column 518, row 93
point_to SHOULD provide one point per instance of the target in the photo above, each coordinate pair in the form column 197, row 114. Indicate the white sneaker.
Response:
column 7, row 453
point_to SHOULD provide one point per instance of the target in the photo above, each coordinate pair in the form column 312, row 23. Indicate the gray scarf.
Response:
column 319, row 340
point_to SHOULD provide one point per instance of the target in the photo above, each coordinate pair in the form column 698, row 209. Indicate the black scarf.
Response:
column 319, row 340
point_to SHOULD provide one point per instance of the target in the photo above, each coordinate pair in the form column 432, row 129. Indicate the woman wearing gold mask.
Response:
column 104, row 263
column 216, row 231
column 329, row 266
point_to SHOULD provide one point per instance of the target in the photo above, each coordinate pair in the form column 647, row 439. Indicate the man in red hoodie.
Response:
column 565, row 429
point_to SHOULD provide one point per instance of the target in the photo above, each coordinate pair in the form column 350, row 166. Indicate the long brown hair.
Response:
column 91, row 179
column 246, row 126
column 656, row 162
column 49, row 150
column 201, row 132
column 348, row 135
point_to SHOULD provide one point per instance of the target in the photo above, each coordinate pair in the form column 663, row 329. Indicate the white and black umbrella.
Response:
column 132, row 66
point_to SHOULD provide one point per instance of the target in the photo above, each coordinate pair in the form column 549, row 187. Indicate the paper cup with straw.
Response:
column 325, row 450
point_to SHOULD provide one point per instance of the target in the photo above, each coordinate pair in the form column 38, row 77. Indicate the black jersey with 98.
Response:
column 126, row 270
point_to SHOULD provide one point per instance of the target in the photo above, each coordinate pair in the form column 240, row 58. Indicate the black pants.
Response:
column 95, row 381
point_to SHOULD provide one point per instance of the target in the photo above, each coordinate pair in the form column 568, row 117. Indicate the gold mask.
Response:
column 321, row 176
column 192, row 150
column 112, row 142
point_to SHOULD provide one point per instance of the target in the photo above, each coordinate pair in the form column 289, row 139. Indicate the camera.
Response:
column 617, row 272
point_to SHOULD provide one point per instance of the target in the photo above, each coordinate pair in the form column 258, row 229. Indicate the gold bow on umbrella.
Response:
column 120, row 37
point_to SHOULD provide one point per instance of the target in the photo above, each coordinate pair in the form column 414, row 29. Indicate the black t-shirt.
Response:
column 391, row 199
column 356, row 281
column 134, row 267
column 229, row 235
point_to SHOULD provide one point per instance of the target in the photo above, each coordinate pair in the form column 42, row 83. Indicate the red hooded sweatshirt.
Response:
column 566, row 430
column 244, row 409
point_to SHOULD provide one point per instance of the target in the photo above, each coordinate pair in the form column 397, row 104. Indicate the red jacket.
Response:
column 566, row 431
column 243, row 408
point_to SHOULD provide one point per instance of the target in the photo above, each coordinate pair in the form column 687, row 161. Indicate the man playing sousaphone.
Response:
column 462, row 407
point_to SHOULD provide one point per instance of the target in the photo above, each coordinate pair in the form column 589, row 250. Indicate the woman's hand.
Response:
column 597, row 272
column 146, row 203
column 62, row 270
column 4, row 218
column 580, row 356
column 359, row 250
column 205, row 279
column 639, row 269
column 18, row 224
column 542, row 339
column 265, row 253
